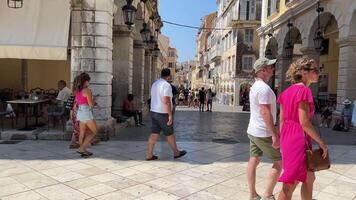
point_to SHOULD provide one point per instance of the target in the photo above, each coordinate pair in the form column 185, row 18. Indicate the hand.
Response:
column 275, row 142
column 323, row 146
column 170, row 120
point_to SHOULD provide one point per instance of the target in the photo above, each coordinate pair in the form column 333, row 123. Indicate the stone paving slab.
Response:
column 39, row 170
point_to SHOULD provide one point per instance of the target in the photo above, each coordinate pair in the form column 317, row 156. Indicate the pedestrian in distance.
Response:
column 201, row 99
column 162, row 115
column 85, row 101
column 297, row 132
column 262, row 132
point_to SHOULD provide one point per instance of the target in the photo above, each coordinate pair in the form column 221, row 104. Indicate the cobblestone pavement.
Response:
column 39, row 170
column 224, row 122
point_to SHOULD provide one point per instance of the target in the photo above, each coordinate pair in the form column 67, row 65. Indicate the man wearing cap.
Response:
column 262, row 132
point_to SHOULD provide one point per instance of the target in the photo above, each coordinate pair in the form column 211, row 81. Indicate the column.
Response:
column 148, row 75
column 346, row 81
column 154, row 69
column 92, row 53
column 282, row 66
column 312, row 53
column 138, row 73
column 122, row 66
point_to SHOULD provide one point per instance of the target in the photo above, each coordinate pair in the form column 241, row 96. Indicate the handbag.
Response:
column 315, row 160
column 70, row 102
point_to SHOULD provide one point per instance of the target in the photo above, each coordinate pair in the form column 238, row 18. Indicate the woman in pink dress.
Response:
column 296, row 115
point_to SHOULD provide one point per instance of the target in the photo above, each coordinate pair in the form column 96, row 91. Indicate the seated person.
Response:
column 346, row 114
column 326, row 116
column 130, row 111
column 64, row 92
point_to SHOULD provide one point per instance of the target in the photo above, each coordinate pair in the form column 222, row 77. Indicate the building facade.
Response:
column 238, row 46
column 292, row 28
column 99, row 42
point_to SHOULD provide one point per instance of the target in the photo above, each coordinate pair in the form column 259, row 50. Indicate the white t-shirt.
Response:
column 260, row 93
column 159, row 89
column 64, row 94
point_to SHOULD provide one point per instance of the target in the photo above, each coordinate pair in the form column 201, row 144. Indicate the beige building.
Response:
column 238, row 47
column 324, row 30
column 90, row 36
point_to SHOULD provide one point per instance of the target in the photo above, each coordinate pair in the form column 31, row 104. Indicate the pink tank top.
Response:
column 81, row 100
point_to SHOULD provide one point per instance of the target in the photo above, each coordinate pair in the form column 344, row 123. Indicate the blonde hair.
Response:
column 294, row 73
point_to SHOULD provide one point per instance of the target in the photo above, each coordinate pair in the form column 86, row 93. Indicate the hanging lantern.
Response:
column 156, row 51
column 15, row 3
column 152, row 43
column 318, row 39
column 129, row 12
column 145, row 33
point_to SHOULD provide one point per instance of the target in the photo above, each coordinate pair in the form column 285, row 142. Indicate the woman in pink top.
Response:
column 84, row 99
column 296, row 115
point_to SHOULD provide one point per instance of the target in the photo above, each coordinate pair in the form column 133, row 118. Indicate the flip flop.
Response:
column 152, row 158
column 181, row 153
column 86, row 153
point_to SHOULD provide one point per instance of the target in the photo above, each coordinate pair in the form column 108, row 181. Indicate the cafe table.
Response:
column 26, row 103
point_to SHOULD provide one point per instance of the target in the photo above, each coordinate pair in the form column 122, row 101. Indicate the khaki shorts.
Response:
column 263, row 145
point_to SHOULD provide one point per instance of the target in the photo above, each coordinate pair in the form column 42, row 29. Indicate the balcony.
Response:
column 215, row 53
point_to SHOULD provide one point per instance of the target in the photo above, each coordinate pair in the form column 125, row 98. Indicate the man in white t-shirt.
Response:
column 162, row 115
column 262, row 132
column 64, row 92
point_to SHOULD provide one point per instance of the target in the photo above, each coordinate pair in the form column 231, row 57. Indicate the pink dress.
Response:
column 292, row 137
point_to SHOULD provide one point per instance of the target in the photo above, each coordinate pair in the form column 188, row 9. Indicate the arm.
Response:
column 265, row 110
column 281, row 119
column 88, row 94
column 305, row 122
column 168, row 105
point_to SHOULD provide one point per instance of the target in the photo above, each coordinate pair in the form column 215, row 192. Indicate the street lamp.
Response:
column 152, row 43
column 129, row 13
column 318, row 39
column 156, row 51
column 289, row 47
column 145, row 31
column 15, row 3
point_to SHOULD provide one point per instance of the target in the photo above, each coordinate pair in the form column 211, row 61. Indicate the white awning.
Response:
column 38, row 30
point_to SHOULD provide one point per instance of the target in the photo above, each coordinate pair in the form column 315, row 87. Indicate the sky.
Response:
column 187, row 12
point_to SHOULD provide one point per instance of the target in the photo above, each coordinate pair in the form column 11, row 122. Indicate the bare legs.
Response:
column 85, row 139
column 306, row 190
column 272, row 176
column 152, row 142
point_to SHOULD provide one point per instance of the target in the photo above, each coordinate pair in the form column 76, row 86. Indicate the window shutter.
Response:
column 253, row 9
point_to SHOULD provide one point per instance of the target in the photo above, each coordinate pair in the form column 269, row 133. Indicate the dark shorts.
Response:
column 159, row 123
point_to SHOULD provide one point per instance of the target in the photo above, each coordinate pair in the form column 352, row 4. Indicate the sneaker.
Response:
column 269, row 198
column 255, row 198
column 321, row 125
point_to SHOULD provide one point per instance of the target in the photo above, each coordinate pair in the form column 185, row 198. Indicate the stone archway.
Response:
column 294, row 37
column 327, row 87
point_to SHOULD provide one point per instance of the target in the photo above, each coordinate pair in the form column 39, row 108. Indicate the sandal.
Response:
column 74, row 146
column 152, row 158
column 85, row 154
column 181, row 153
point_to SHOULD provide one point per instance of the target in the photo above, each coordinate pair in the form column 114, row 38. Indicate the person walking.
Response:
column 201, row 99
column 263, row 135
column 84, row 99
column 296, row 116
column 162, row 115
column 209, row 96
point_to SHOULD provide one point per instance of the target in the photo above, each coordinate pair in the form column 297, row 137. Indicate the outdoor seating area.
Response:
column 27, row 111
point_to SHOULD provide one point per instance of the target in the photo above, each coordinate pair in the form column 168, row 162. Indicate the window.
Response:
column 277, row 5
column 228, row 64
column 253, row 9
column 269, row 6
column 233, row 61
column 249, row 35
column 170, row 65
column 234, row 36
column 247, row 63
column 247, row 10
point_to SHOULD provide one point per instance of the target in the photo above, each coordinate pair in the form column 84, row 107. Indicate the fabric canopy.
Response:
column 38, row 30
